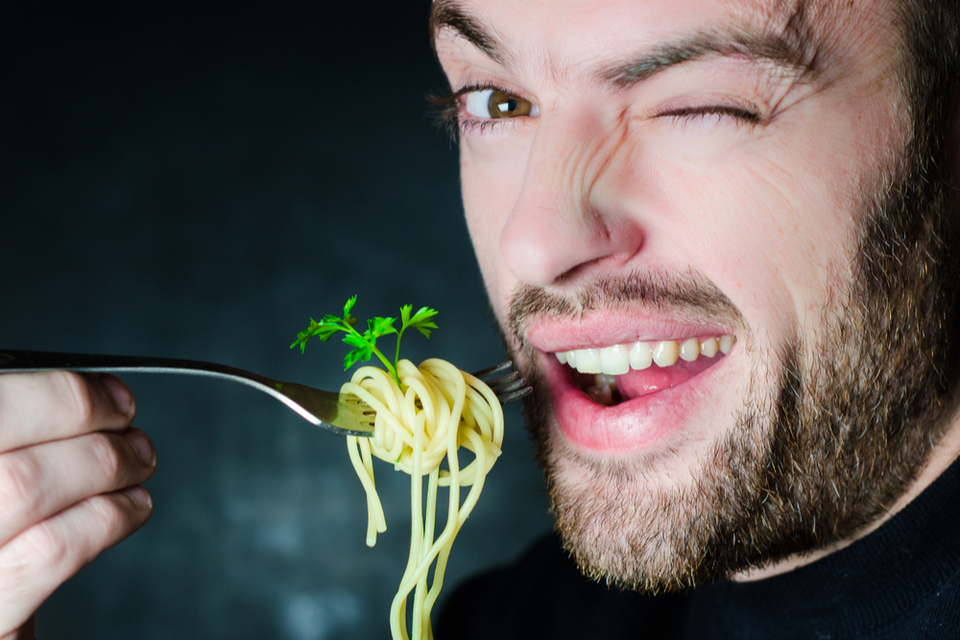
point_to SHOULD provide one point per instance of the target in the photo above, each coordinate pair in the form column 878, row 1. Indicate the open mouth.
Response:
column 618, row 373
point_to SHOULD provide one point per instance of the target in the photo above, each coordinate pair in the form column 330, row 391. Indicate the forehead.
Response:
column 565, row 34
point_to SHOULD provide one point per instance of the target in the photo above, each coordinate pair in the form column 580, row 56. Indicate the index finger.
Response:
column 38, row 407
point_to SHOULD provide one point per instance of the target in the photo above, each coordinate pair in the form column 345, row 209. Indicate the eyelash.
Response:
column 741, row 115
column 448, row 113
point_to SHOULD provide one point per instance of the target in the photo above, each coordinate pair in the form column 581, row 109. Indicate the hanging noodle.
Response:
column 436, row 410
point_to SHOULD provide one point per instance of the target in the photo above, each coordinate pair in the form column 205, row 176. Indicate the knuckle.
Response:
column 82, row 403
column 105, row 455
column 107, row 521
column 44, row 543
column 18, row 571
column 110, row 517
column 63, row 545
column 41, row 557
column 21, row 481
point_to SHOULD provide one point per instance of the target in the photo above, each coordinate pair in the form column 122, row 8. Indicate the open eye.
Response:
column 494, row 103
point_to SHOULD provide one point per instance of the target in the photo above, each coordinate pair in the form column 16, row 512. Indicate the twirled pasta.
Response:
column 436, row 410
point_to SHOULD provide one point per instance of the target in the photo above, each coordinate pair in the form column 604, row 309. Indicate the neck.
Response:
column 944, row 454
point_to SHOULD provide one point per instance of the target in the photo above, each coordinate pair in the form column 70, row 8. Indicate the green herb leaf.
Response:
column 422, row 321
column 363, row 350
column 352, row 358
column 381, row 326
column 301, row 340
column 364, row 344
column 326, row 330
column 357, row 341
column 348, row 307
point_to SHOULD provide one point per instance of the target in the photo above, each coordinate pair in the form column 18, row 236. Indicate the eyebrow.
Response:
column 792, row 50
column 448, row 14
column 791, row 57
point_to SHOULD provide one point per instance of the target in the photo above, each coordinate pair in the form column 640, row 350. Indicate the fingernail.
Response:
column 122, row 398
column 140, row 442
column 139, row 496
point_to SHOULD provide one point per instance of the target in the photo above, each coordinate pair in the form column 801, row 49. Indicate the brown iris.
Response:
column 505, row 105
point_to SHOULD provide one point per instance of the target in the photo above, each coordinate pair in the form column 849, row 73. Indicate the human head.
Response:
column 684, row 170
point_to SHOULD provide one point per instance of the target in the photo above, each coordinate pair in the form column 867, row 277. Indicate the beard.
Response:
column 833, row 429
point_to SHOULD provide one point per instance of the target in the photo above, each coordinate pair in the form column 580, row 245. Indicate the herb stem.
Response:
column 396, row 357
column 391, row 368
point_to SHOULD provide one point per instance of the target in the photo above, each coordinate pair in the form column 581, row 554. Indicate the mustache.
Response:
column 686, row 296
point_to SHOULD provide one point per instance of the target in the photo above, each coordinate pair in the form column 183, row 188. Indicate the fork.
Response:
column 345, row 413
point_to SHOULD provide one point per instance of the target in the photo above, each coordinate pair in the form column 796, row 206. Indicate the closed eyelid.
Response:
column 734, row 111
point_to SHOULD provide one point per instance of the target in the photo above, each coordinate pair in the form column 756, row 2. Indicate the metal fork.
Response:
column 344, row 414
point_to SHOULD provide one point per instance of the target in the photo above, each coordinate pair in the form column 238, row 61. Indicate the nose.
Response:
column 568, row 217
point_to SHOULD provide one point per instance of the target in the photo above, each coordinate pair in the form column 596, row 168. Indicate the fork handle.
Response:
column 14, row 361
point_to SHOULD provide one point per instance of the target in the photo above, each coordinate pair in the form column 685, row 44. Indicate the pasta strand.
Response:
column 436, row 410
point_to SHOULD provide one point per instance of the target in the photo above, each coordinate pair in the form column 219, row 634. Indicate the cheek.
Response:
column 776, row 237
column 490, row 187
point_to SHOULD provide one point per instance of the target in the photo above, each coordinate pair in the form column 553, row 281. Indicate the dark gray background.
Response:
column 196, row 182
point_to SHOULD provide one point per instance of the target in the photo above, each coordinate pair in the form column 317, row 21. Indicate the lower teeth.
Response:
column 604, row 390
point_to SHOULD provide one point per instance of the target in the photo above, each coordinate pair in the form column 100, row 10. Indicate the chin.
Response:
column 644, row 486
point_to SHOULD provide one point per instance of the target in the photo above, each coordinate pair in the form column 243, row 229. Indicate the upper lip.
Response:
column 602, row 329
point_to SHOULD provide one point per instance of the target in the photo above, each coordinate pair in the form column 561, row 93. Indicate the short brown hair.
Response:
column 931, row 79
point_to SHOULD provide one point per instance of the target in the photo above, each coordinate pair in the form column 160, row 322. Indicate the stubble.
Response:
column 833, row 430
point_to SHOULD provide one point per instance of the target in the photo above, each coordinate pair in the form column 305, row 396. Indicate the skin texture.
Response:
column 70, row 468
column 729, row 193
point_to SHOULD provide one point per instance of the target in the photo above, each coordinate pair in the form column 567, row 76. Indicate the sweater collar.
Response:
column 875, row 580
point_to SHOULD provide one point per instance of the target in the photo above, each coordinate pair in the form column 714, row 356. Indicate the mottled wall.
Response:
column 195, row 182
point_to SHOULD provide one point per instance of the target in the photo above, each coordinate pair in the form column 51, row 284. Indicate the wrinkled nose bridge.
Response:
column 556, row 224
column 564, row 165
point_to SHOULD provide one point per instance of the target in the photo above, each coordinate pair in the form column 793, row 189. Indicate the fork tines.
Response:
column 509, row 386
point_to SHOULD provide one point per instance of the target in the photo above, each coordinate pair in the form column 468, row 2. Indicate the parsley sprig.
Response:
column 365, row 344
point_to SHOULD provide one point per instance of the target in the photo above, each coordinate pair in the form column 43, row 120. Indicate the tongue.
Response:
column 640, row 383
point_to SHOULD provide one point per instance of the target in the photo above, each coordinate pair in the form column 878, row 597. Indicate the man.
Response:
column 754, row 196
column 744, row 203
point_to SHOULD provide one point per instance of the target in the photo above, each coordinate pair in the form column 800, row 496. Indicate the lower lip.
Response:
column 640, row 424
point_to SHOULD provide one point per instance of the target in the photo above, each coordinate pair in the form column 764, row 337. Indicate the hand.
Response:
column 70, row 466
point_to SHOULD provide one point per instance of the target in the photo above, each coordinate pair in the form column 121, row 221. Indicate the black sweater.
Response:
column 901, row 581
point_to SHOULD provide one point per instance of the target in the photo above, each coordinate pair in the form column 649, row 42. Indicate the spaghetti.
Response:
column 436, row 410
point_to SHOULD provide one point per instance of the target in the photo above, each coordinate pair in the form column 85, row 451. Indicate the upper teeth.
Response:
column 620, row 358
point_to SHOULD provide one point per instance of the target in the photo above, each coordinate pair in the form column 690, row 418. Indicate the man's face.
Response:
column 687, row 182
